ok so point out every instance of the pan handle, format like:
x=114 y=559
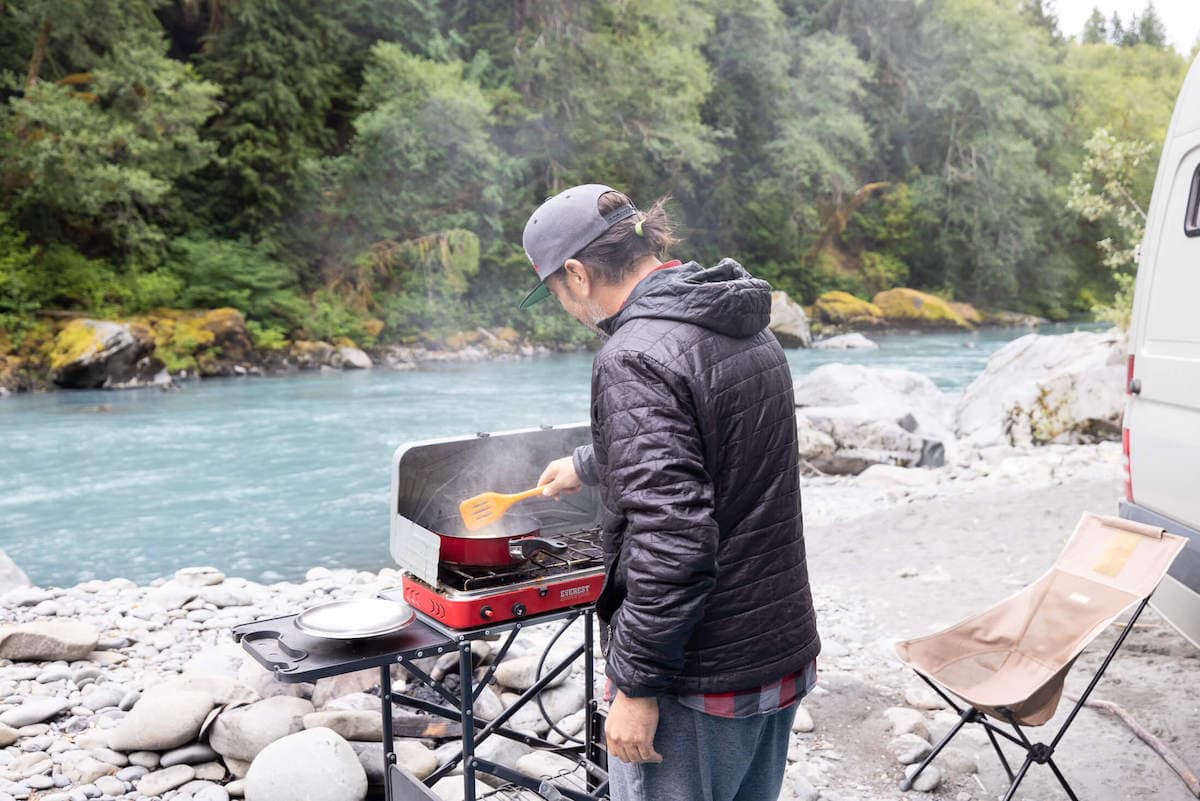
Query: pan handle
x=523 y=549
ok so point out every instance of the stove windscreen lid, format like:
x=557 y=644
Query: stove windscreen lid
x=430 y=478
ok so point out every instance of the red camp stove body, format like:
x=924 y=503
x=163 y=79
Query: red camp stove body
x=428 y=481
x=467 y=610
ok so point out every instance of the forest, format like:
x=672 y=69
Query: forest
x=362 y=169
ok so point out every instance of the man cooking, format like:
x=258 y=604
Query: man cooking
x=713 y=637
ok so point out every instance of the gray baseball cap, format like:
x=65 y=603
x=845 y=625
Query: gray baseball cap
x=561 y=227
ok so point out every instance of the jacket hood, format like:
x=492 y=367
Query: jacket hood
x=724 y=298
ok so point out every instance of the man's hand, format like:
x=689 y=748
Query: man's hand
x=559 y=477
x=629 y=730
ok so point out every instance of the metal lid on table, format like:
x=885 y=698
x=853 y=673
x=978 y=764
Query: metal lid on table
x=355 y=618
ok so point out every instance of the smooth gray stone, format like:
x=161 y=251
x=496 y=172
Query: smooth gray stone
x=316 y=765
x=103 y=697
x=34 y=710
x=39 y=782
x=131 y=773
x=53 y=674
x=144 y=759
x=188 y=755
x=160 y=781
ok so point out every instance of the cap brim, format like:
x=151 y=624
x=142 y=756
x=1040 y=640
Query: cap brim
x=536 y=295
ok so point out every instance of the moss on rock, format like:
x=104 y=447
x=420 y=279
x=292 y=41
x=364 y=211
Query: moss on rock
x=967 y=312
x=208 y=341
x=910 y=308
x=847 y=311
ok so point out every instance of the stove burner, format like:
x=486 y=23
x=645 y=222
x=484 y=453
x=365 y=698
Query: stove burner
x=583 y=551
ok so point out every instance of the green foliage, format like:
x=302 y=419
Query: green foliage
x=96 y=168
x=237 y=273
x=324 y=167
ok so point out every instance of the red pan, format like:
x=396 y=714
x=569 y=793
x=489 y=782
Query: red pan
x=511 y=540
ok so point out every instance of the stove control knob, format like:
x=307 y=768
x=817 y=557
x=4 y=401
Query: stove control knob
x=518 y=610
x=486 y=613
x=543 y=592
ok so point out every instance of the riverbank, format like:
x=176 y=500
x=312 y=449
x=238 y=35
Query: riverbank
x=892 y=555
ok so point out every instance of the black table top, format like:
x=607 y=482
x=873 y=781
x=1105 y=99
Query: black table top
x=294 y=656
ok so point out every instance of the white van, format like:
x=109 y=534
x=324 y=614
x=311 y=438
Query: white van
x=1162 y=414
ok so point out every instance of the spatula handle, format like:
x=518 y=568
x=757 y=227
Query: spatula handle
x=529 y=493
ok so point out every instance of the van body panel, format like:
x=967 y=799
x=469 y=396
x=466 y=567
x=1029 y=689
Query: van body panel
x=1163 y=418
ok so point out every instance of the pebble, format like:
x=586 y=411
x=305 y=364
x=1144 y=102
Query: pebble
x=39 y=782
x=131 y=773
x=160 y=781
x=54 y=674
x=110 y=785
x=315 y=764
x=922 y=697
x=144 y=759
x=188 y=755
x=929 y=779
x=803 y=722
x=236 y=788
x=909 y=748
x=8 y=735
x=110 y=756
x=35 y=710
x=906 y=721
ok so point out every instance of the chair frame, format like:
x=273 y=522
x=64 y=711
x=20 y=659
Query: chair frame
x=1039 y=753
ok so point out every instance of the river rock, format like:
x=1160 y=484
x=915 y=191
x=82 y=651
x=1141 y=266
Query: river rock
x=352 y=359
x=110 y=785
x=162 y=719
x=353 y=725
x=104 y=696
x=859 y=442
x=1041 y=388
x=222 y=689
x=82 y=768
x=845 y=311
x=11 y=576
x=879 y=393
x=909 y=748
x=199 y=576
x=316 y=765
x=34 y=710
x=908 y=308
x=328 y=689
x=906 y=721
x=922 y=697
x=8 y=735
x=49 y=640
x=410 y=755
x=547 y=765
x=188 y=755
x=242 y=732
x=803 y=722
x=852 y=341
x=929 y=779
x=789 y=323
x=88 y=354
x=160 y=781
x=520 y=673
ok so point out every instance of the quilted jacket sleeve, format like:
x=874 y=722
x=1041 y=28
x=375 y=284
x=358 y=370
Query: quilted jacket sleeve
x=657 y=479
x=584 y=460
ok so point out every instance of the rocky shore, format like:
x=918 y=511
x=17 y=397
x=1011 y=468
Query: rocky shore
x=113 y=690
x=920 y=508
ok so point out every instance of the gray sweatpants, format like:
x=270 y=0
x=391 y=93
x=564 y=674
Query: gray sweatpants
x=708 y=758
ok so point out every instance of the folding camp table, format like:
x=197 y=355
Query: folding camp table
x=1009 y=662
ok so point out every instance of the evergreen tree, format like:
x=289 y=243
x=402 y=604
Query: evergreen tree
x=1150 y=27
x=1095 y=30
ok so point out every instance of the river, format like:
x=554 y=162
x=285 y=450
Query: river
x=267 y=477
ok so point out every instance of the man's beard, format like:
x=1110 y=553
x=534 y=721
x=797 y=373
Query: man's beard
x=593 y=315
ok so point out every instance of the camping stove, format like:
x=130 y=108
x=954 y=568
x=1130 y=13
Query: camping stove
x=430 y=478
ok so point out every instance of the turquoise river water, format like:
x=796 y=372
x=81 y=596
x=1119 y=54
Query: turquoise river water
x=267 y=477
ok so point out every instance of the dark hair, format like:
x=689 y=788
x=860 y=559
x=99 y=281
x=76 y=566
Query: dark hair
x=611 y=255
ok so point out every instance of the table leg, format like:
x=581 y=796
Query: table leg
x=389 y=739
x=468 y=719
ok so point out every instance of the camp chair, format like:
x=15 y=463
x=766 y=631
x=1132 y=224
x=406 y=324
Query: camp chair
x=1009 y=662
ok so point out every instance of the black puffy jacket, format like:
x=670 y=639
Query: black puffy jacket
x=694 y=448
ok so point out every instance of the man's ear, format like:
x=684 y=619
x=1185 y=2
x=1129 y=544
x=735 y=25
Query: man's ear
x=577 y=278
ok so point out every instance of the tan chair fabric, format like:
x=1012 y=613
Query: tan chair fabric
x=1016 y=654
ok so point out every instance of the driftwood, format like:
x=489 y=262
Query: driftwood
x=406 y=725
x=1173 y=760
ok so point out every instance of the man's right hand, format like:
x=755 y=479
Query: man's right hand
x=559 y=477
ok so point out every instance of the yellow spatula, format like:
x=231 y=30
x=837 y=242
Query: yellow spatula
x=488 y=507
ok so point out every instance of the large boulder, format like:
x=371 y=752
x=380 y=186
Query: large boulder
x=11 y=575
x=48 y=640
x=851 y=417
x=851 y=341
x=1037 y=389
x=1012 y=319
x=242 y=732
x=88 y=354
x=789 y=323
x=315 y=765
x=843 y=310
x=908 y=308
x=165 y=717
x=878 y=393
